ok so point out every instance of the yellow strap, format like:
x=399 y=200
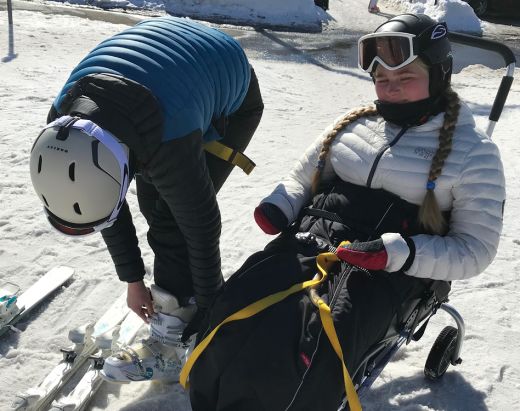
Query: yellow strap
x=226 y=153
x=324 y=262
x=328 y=325
x=246 y=312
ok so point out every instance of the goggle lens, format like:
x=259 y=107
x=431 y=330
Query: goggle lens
x=65 y=228
x=393 y=51
x=69 y=230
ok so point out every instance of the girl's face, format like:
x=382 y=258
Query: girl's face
x=406 y=85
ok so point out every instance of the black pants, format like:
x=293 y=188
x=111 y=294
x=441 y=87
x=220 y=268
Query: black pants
x=171 y=270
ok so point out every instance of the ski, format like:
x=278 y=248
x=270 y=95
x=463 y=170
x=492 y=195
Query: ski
x=84 y=345
x=15 y=306
x=86 y=388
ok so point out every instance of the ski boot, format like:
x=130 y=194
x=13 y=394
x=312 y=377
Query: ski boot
x=162 y=355
x=8 y=303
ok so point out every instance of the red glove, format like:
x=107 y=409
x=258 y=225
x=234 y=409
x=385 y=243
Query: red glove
x=370 y=255
x=270 y=218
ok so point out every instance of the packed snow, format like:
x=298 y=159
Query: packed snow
x=302 y=93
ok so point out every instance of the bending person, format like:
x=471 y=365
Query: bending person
x=149 y=103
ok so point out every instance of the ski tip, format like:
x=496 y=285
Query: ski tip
x=61 y=274
x=63 y=270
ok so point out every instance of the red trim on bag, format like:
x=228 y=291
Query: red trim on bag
x=368 y=260
x=306 y=360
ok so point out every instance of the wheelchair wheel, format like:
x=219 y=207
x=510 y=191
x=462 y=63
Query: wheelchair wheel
x=440 y=355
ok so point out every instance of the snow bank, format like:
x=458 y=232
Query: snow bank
x=458 y=15
x=294 y=15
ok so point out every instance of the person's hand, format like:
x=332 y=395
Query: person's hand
x=270 y=218
x=370 y=255
x=373 y=255
x=139 y=300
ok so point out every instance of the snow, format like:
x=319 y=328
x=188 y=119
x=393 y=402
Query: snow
x=303 y=92
x=457 y=14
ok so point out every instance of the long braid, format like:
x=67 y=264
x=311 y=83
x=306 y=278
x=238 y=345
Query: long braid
x=430 y=216
x=329 y=138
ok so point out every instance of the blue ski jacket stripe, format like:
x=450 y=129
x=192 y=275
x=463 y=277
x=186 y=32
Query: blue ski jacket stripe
x=197 y=73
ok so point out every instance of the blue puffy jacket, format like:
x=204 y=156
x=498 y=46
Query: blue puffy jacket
x=197 y=73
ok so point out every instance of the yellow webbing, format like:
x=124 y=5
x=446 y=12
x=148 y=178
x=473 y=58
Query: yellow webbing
x=231 y=156
x=245 y=312
x=328 y=325
x=323 y=260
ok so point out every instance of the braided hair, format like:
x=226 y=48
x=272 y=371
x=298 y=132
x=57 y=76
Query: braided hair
x=329 y=139
x=430 y=216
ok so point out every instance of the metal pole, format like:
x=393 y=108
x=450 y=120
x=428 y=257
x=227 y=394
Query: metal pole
x=509 y=59
x=10 y=12
x=11 y=54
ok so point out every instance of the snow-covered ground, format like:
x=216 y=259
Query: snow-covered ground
x=302 y=95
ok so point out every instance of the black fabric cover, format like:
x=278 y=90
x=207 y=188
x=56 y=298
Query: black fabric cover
x=281 y=358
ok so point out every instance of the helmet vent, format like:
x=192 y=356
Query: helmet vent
x=45 y=200
x=77 y=209
x=39 y=164
x=57 y=148
x=72 y=168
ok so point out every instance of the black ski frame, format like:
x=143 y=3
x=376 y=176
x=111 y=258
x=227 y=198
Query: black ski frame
x=510 y=61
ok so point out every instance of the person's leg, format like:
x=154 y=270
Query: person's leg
x=237 y=131
x=363 y=311
x=170 y=272
x=376 y=299
x=147 y=197
x=250 y=365
x=170 y=295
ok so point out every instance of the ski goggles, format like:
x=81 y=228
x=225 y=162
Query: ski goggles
x=111 y=143
x=394 y=50
x=391 y=50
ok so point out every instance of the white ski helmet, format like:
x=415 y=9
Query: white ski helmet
x=80 y=172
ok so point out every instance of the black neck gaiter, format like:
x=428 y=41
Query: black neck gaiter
x=411 y=114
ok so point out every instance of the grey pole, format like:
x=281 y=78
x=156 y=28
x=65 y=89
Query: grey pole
x=10 y=54
x=10 y=12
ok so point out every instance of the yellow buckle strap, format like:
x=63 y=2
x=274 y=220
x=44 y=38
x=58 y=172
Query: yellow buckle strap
x=242 y=314
x=324 y=262
x=230 y=155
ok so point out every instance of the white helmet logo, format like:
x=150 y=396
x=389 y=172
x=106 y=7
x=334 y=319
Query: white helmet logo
x=438 y=32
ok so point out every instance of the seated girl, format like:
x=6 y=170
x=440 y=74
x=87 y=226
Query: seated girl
x=414 y=186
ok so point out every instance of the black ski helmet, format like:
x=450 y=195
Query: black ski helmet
x=432 y=46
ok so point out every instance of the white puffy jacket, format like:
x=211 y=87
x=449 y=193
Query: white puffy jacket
x=370 y=153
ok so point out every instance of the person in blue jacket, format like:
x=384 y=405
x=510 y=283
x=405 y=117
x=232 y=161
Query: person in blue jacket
x=173 y=104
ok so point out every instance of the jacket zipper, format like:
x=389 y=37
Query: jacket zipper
x=380 y=154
